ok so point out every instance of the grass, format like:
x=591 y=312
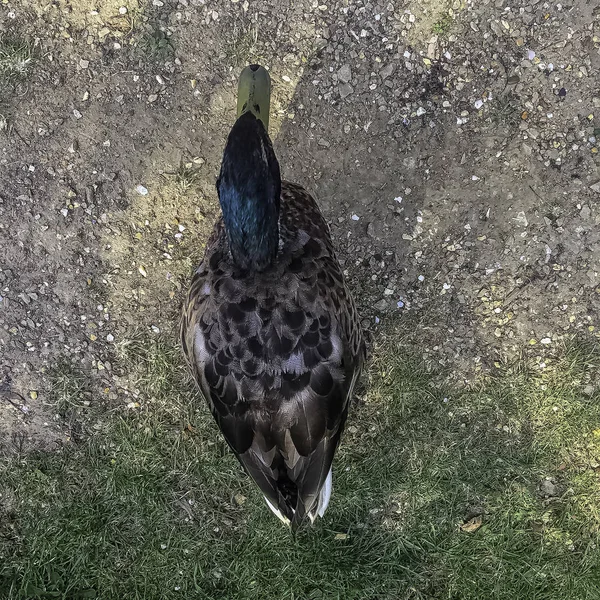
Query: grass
x=443 y=26
x=156 y=46
x=154 y=507
x=69 y=386
x=505 y=111
x=241 y=47
x=186 y=177
x=16 y=62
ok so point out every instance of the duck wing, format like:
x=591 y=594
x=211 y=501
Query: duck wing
x=277 y=355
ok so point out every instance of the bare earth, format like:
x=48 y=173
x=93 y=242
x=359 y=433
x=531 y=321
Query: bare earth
x=452 y=146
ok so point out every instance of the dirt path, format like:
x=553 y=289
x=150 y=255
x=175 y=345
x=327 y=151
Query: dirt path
x=452 y=146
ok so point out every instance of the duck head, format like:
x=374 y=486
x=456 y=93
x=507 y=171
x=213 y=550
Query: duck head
x=249 y=188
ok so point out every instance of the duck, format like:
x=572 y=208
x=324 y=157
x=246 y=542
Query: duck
x=269 y=328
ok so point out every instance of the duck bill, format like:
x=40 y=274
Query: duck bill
x=254 y=93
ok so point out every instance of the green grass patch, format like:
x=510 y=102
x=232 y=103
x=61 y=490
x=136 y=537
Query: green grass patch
x=439 y=494
x=241 y=47
x=70 y=387
x=185 y=177
x=16 y=60
x=156 y=45
x=443 y=26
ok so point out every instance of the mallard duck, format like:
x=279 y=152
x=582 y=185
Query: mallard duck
x=269 y=328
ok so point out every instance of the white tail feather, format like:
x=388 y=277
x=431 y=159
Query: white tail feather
x=324 y=497
x=283 y=519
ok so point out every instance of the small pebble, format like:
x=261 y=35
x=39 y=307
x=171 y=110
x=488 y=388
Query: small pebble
x=345 y=90
x=345 y=74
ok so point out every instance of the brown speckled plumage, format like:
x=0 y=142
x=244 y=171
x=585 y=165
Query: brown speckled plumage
x=277 y=353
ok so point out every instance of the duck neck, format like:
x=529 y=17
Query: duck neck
x=249 y=188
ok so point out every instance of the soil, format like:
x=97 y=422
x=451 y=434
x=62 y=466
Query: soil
x=451 y=145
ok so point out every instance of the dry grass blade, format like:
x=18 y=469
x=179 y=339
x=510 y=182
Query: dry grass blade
x=16 y=60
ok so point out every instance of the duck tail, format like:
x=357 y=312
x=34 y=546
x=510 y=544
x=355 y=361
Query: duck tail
x=283 y=518
x=324 y=497
x=317 y=510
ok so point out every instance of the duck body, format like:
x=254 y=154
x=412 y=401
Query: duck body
x=272 y=335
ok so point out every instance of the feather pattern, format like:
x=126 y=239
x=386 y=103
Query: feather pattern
x=276 y=354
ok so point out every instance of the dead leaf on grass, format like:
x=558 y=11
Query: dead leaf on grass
x=472 y=524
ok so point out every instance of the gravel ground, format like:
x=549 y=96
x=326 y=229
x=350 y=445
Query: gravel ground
x=452 y=146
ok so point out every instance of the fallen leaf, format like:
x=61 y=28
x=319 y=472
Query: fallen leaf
x=472 y=524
